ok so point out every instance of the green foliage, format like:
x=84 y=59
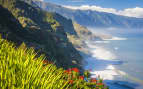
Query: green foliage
x=21 y=69
x=38 y=29
x=25 y=22
x=49 y=17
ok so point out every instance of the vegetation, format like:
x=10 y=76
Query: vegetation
x=23 y=68
x=26 y=22
x=49 y=17
x=20 y=68
x=83 y=35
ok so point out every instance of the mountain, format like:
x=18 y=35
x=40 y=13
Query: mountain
x=93 y=18
x=25 y=22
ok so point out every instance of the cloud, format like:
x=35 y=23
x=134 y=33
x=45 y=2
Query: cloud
x=131 y=12
x=75 y=0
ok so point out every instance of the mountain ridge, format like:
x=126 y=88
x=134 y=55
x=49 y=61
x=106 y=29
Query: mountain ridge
x=93 y=18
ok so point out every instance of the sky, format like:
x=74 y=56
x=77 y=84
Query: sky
x=132 y=8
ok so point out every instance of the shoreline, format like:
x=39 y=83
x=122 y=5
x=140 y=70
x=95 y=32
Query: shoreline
x=102 y=62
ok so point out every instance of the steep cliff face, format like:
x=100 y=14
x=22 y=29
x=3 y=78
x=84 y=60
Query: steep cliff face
x=23 y=22
x=10 y=28
x=66 y=23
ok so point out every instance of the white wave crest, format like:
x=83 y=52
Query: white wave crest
x=101 y=53
x=106 y=42
x=102 y=62
x=116 y=38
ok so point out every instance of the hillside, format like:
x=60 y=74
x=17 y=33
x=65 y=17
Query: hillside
x=23 y=22
x=20 y=68
x=93 y=18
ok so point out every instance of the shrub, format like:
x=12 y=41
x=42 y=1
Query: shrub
x=20 y=68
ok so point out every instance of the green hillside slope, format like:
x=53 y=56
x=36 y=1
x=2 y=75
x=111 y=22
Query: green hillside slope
x=22 y=22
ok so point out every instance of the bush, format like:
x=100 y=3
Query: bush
x=20 y=68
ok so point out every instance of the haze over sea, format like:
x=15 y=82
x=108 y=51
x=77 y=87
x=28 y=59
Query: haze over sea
x=118 y=60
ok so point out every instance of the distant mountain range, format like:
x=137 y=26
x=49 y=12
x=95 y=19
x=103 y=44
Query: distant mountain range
x=93 y=18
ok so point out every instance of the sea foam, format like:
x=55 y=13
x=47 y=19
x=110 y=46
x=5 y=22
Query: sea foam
x=116 y=38
x=102 y=62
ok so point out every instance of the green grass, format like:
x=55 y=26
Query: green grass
x=20 y=68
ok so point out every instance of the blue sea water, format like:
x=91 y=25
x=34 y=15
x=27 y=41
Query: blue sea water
x=130 y=52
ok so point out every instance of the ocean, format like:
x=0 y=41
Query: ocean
x=118 y=60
